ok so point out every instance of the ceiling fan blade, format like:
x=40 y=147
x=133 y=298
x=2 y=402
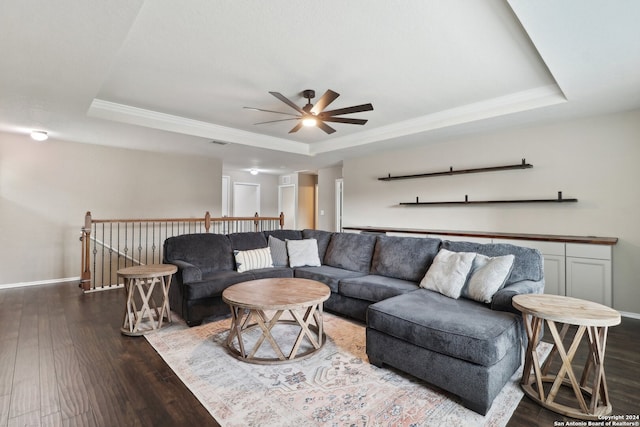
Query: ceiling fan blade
x=270 y=111
x=349 y=110
x=325 y=127
x=296 y=128
x=286 y=100
x=326 y=99
x=345 y=120
x=274 y=121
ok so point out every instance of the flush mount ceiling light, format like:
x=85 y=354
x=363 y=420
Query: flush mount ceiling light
x=39 y=135
x=253 y=171
x=314 y=115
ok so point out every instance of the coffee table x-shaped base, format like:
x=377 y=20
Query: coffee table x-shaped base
x=245 y=319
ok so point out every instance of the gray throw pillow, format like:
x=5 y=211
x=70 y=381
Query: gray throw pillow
x=488 y=275
x=278 y=252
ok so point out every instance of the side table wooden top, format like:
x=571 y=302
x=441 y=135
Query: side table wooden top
x=150 y=270
x=276 y=293
x=564 y=309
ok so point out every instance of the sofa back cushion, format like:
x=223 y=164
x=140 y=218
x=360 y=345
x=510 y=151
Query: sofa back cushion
x=322 y=237
x=247 y=241
x=284 y=234
x=406 y=258
x=350 y=251
x=527 y=265
x=209 y=252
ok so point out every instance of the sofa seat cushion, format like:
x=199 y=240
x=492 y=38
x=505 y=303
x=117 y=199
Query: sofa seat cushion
x=213 y=283
x=461 y=328
x=328 y=275
x=374 y=288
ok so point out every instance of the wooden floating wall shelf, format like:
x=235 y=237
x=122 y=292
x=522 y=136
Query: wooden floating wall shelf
x=523 y=165
x=479 y=202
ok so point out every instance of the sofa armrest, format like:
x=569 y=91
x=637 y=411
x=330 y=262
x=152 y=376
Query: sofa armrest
x=187 y=272
x=502 y=299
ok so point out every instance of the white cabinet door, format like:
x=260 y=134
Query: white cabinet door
x=589 y=273
x=589 y=279
x=554 y=274
x=554 y=262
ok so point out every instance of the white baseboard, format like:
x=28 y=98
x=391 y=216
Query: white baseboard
x=631 y=315
x=39 y=282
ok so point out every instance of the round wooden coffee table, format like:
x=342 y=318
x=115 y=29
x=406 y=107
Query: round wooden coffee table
x=143 y=313
x=262 y=303
x=585 y=316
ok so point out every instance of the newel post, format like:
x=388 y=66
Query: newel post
x=207 y=221
x=256 y=222
x=281 y=220
x=85 y=276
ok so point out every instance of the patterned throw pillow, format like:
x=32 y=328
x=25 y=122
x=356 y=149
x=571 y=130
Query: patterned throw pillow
x=253 y=259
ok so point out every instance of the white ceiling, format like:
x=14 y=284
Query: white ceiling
x=173 y=76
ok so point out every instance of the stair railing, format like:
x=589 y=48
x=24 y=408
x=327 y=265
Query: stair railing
x=111 y=244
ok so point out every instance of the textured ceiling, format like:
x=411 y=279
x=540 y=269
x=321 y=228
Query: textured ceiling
x=172 y=76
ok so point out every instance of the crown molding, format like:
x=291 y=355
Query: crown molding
x=509 y=104
x=513 y=103
x=152 y=119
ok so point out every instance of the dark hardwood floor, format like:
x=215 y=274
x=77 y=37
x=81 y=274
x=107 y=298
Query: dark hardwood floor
x=64 y=362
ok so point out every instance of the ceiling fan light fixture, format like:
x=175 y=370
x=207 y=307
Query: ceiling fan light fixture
x=309 y=121
x=315 y=115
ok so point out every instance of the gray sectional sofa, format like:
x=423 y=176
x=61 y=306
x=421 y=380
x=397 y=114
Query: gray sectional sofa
x=468 y=348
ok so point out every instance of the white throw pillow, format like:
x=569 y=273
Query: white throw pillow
x=253 y=259
x=303 y=253
x=487 y=276
x=448 y=272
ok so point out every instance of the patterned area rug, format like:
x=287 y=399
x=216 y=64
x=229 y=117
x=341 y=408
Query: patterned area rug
x=334 y=387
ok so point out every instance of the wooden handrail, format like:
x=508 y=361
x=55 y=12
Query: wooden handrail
x=86 y=280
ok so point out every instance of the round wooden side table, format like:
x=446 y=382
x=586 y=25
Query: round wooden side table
x=585 y=316
x=143 y=313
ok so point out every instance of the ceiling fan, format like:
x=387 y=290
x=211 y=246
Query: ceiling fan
x=314 y=115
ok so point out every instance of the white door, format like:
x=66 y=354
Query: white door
x=287 y=205
x=246 y=199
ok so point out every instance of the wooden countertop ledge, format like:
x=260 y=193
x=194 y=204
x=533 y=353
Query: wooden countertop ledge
x=591 y=240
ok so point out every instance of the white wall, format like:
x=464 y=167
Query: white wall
x=595 y=160
x=46 y=189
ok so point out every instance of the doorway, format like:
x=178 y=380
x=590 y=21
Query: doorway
x=246 y=199
x=287 y=205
